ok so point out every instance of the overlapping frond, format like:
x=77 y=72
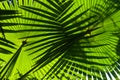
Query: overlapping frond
x=70 y=37
x=67 y=39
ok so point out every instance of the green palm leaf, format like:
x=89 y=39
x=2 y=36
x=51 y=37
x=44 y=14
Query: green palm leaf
x=64 y=40
x=69 y=31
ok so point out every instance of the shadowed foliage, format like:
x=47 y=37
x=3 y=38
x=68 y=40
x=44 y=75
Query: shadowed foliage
x=59 y=39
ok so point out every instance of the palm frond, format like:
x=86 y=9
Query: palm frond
x=6 y=14
x=73 y=39
x=69 y=39
x=7 y=69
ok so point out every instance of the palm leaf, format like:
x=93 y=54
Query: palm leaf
x=6 y=71
x=69 y=39
x=6 y=14
x=71 y=29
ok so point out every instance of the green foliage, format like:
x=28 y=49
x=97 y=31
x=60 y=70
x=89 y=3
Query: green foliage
x=59 y=39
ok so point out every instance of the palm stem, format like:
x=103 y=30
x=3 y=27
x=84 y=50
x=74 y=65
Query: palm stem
x=13 y=59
